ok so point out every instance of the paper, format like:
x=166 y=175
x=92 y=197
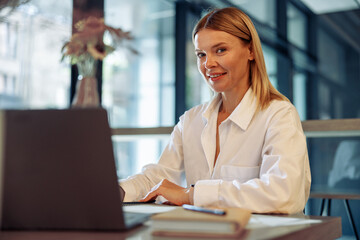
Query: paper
x=148 y=208
x=260 y=221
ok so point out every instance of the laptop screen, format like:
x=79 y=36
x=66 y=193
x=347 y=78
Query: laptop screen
x=58 y=170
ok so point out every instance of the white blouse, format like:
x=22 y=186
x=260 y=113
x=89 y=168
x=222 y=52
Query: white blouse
x=263 y=163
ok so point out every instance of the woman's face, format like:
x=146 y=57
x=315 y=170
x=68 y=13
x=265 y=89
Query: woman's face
x=223 y=60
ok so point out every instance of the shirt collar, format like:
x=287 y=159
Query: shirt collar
x=245 y=111
x=213 y=105
x=241 y=115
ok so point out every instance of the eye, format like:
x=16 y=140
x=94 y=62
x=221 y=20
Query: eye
x=200 y=54
x=220 y=50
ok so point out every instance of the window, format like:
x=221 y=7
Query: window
x=8 y=39
x=299 y=92
x=271 y=64
x=197 y=90
x=261 y=10
x=336 y=166
x=331 y=58
x=31 y=39
x=139 y=90
x=296 y=26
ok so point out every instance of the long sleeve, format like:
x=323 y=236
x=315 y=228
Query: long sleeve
x=170 y=166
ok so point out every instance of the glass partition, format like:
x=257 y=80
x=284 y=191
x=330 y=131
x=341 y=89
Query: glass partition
x=271 y=64
x=263 y=11
x=31 y=38
x=144 y=150
x=335 y=162
x=296 y=26
x=299 y=93
x=139 y=90
x=197 y=90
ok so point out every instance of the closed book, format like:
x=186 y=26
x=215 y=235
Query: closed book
x=184 y=223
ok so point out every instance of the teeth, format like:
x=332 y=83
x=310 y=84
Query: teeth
x=217 y=75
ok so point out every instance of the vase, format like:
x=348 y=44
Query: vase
x=86 y=94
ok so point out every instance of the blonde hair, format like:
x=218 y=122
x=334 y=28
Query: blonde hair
x=235 y=22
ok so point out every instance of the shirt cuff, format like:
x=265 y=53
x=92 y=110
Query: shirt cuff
x=130 y=194
x=206 y=193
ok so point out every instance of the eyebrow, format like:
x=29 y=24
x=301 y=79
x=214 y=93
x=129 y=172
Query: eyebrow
x=215 y=46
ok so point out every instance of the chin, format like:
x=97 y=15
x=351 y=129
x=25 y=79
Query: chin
x=217 y=89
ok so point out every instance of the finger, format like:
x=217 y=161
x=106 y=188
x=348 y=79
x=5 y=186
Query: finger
x=169 y=203
x=150 y=196
x=150 y=200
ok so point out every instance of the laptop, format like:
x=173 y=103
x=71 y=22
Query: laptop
x=57 y=172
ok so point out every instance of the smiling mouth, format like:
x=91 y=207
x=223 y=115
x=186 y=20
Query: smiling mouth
x=215 y=76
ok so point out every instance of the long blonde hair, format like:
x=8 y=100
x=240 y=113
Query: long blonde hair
x=235 y=22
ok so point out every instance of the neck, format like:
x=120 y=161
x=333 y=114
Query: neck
x=231 y=101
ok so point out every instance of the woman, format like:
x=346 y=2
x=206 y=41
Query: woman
x=245 y=148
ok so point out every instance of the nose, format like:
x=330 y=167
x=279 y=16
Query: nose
x=210 y=62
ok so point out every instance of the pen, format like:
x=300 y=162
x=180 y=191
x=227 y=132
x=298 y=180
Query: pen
x=204 y=210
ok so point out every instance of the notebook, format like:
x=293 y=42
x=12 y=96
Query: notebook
x=57 y=172
x=183 y=223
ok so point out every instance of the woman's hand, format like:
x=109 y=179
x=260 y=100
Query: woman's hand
x=173 y=193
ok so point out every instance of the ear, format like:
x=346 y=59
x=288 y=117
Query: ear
x=251 y=52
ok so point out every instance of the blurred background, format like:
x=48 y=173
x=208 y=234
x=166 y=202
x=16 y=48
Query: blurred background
x=311 y=48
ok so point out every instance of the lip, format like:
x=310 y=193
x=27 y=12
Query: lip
x=221 y=75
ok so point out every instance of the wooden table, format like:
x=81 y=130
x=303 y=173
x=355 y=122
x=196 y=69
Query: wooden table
x=328 y=228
